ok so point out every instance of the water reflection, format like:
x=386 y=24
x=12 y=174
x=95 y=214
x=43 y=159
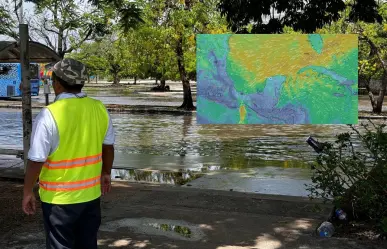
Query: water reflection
x=134 y=95
x=173 y=229
x=181 y=230
x=170 y=142
x=175 y=150
x=140 y=95
x=170 y=135
x=180 y=177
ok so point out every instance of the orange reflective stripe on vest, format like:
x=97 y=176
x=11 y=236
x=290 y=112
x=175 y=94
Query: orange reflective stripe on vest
x=70 y=186
x=78 y=162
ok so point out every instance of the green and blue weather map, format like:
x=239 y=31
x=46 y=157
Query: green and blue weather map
x=277 y=79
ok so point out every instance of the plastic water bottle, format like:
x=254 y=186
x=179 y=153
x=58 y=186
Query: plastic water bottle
x=326 y=229
x=314 y=144
x=340 y=214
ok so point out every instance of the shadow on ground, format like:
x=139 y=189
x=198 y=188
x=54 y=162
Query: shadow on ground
x=143 y=216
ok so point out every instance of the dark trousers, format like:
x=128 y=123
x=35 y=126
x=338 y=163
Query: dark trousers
x=73 y=226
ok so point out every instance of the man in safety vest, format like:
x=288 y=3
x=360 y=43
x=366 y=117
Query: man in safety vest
x=72 y=154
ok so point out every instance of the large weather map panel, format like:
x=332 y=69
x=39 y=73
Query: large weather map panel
x=277 y=79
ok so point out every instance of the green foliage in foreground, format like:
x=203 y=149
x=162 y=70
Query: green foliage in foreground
x=352 y=172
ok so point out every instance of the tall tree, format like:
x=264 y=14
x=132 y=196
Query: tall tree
x=108 y=57
x=150 y=54
x=180 y=22
x=90 y=54
x=351 y=16
x=372 y=46
x=373 y=63
x=271 y=16
x=65 y=25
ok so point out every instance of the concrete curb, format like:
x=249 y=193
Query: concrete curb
x=17 y=174
x=372 y=117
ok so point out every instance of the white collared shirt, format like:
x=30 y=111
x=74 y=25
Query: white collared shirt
x=45 y=135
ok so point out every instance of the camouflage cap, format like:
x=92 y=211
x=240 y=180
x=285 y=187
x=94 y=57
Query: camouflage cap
x=71 y=71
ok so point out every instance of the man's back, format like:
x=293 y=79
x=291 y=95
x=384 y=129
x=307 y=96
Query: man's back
x=72 y=154
x=72 y=171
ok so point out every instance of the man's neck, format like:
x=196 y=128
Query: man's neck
x=72 y=92
x=69 y=92
x=76 y=94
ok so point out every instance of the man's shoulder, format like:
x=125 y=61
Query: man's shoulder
x=45 y=112
x=67 y=102
x=44 y=117
x=97 y=102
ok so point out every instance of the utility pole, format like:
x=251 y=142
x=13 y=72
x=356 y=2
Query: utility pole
x=26 y=85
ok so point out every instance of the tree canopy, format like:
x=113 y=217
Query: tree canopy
x=65 y=25
x=7 y=21
x=271 y=16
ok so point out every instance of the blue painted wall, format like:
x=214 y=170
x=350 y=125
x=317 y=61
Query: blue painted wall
x=13 y=78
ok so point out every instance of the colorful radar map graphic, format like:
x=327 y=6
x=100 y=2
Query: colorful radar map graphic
x=277 y=79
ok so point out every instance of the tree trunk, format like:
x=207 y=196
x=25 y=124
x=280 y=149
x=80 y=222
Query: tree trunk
x=162 y=83
x=96 y=79
x=135 y=80
x=157 y=81
x=188 y=102
x=377 y=107
x=369 y=91
x=377 y=102
x=116 y=79
x=115 y=70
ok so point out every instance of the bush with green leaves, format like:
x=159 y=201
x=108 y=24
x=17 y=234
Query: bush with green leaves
x=351 y=172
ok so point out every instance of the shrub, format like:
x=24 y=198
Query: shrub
x=352 y=172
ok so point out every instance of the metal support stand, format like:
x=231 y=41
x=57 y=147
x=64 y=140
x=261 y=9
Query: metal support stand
x=47 y=91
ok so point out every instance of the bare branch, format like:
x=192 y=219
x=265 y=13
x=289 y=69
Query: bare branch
x=46 y=38
x=48 y=29
x=85 y=38
x=367 y=85
x=41 y=31
x=16 y=9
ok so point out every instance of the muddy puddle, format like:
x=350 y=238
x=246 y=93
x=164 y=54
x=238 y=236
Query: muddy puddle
x=174 y=229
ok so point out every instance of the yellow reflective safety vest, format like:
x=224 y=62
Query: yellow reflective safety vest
x=72 y=172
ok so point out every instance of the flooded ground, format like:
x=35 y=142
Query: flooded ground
x=140 y=95
x=135 y=95
x=174 y=149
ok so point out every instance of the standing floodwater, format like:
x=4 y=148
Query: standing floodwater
x=179 y=136
x=174 y=149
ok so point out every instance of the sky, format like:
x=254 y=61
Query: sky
x=28 y=8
